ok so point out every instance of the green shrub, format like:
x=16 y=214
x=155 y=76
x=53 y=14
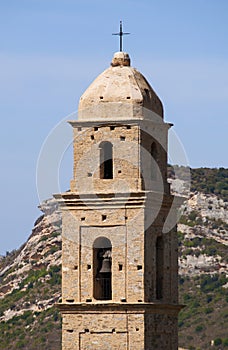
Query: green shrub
x=54 y=269
x=187 y=297
x=217 y=341
x=55 y=280
x=209 y=298
x=208 y=310
x=225 y=342
x=211 y=282
x=28 y=317
x=54 y=273
x=180 y=236
x=193 y=215
x=189 y=337
x=181 y=280
x=180 y=323
x=55 y=234
x=21 y=344
x=199 y=328
x=44 y=238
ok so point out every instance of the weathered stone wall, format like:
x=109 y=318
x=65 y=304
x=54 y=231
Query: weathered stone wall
x=161 y=332
x=120 y=330
x=129 y=210
x=103 y=331
x=133 y=247
x=131 y=153
x=127 y=250
x=126 y=171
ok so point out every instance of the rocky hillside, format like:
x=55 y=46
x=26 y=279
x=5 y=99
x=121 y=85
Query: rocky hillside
x=30 y=278
x=30 y=286
x=203 y=270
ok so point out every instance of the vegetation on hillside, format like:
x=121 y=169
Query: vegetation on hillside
x=203 y=323
x=32 y=329
x=204 y=320
x=205 y=180
x=208 y=180
x=201 y=245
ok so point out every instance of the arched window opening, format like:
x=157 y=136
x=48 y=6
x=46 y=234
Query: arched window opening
x=154 y=160
x=159 y=267
x=102 y=271
x=106 y=160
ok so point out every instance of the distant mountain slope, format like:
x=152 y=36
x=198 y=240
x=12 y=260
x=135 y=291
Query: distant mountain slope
x=30 y=277
x=203 y=272
x=205 y=180
x=30 y=286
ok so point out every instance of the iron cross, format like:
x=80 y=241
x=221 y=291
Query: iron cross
x=121 y=33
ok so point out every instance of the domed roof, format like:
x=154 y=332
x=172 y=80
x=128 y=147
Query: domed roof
x=120 y=92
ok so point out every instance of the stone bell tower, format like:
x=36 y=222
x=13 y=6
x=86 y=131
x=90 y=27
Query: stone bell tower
x=119 y=255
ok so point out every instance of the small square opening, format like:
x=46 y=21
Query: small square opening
x=122 y=138
x=104 y=217
x=139 y=267
x=120 y=267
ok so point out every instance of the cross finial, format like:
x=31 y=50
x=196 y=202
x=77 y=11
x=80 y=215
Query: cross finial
x=121 y=33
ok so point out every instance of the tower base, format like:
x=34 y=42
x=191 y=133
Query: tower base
x=145 y=326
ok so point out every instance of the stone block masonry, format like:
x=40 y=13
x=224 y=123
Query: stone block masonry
x=119 y=264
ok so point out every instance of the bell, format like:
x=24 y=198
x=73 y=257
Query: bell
x=106 y=266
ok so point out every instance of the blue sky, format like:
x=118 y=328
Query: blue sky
x=51 y=50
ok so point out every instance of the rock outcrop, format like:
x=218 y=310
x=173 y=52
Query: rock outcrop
x=30 y=278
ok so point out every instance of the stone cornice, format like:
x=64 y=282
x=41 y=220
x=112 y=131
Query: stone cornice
x=139 y=199
x=142 y=308
x=123 y=122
